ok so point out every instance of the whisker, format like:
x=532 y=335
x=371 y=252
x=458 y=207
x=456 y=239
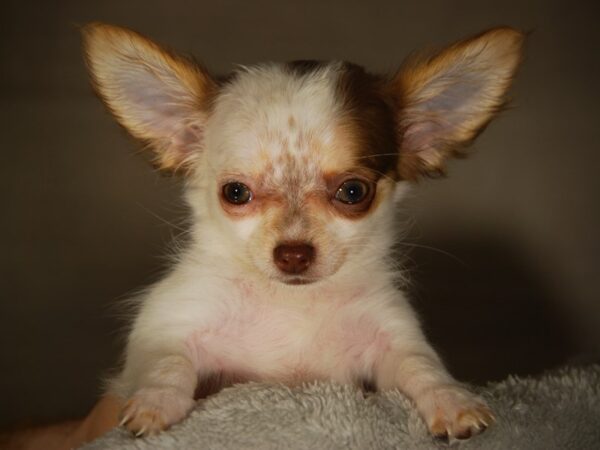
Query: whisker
x=384 y=175
x=434 y=249
x=376 y=154
x=162 y=219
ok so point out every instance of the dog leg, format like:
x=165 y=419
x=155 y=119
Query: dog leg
x=164 y=397
x=449 y=410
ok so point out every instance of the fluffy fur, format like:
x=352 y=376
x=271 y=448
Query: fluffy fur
x=293 y=135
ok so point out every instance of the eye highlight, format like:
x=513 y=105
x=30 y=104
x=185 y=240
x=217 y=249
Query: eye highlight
x=352 y=192
x=236 y=193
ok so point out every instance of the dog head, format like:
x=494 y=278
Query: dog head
x=293 y=169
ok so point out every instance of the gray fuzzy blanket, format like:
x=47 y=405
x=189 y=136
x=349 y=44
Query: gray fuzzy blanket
x=558 y=410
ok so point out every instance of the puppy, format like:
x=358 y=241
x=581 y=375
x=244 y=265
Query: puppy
x=293 y=173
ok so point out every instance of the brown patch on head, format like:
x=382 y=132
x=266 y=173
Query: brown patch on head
x=369 y=120
x=301 y=163
x=303 y=67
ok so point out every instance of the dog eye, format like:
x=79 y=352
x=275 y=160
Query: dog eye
x=237 y=193
x=352 y=191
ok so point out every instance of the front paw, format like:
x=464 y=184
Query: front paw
x=151 y=410
x=452 y=412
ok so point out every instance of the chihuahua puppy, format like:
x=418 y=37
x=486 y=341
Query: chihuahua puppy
x=293 y=173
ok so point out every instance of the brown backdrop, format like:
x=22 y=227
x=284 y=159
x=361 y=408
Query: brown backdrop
x=510 y=285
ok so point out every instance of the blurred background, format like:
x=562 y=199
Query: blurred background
x=504 y=252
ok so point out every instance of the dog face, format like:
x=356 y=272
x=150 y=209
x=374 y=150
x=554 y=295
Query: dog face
x=293 y=169
x=295 y=182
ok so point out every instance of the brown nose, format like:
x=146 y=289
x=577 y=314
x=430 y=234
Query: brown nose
x=293 y=258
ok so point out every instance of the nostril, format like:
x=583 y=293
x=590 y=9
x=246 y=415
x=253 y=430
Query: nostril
x=293 y=258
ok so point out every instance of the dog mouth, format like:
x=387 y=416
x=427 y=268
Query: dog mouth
x=297 y=281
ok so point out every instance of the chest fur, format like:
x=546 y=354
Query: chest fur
x=331 y=337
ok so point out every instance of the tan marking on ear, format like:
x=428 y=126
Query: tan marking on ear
x=444 y=101
x=180 y=90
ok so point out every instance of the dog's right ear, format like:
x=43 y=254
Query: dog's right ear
x=159 y=97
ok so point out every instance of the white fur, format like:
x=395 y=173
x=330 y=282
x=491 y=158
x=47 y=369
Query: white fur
x=225 y=307
x=220 y=310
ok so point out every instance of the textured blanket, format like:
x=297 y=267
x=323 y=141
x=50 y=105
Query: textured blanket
x=559 y=410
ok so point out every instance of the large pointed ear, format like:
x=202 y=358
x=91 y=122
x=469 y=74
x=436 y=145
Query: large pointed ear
x=444 y=101
x=158 y=97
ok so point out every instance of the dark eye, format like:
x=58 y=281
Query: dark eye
x=352 y=191
x=237 y=193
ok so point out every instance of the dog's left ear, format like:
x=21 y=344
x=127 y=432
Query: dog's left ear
x=159 y=97
x=444 y=101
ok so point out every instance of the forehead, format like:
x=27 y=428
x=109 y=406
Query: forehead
x=306 y=117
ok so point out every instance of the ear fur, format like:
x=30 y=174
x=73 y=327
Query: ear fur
x=160 y=98
x=445 y=100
